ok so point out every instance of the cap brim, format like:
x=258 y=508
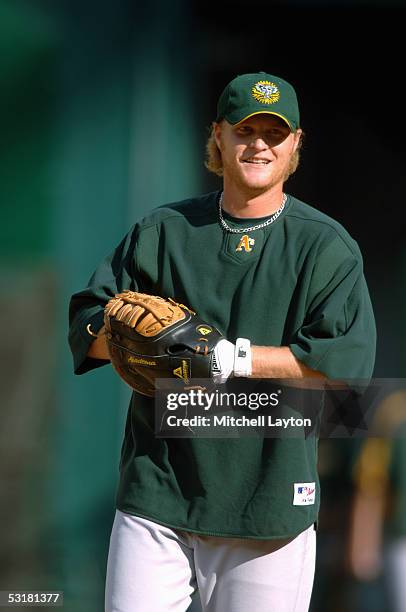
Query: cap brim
x=264 y=112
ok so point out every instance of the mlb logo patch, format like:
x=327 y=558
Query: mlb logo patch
x=304 y=493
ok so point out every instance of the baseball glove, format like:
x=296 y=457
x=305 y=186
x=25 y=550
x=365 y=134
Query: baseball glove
x=149 y=337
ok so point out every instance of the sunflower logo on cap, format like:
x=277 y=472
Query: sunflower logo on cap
x=265 y=92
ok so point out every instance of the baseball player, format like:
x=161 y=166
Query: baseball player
x=284 y=285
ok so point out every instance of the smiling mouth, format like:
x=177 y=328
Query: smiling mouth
x=257 y=162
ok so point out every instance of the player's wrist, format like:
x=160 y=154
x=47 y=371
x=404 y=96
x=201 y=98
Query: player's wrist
x=242 y=358
x=232 y=360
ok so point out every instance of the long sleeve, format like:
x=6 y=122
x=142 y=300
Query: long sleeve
x=338 y=336
x=113 y=275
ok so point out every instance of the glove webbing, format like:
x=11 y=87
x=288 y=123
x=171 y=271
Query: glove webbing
x=134 y=313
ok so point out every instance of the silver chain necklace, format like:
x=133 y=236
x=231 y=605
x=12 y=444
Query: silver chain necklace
x=233 y=230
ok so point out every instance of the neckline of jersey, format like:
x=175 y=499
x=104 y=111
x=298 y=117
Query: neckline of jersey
x=238 y=222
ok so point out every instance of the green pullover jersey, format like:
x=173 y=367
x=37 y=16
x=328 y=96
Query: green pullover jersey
x=298 y=282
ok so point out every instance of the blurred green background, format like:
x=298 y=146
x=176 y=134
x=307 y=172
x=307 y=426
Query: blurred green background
x=105 y=109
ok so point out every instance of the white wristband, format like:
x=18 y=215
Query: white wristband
x=242 y=357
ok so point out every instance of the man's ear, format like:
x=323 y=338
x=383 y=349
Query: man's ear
x=217 y=133
x=297 y=135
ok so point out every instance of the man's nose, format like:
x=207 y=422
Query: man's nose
x=259 y=142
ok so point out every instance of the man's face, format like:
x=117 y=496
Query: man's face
x=256 y=153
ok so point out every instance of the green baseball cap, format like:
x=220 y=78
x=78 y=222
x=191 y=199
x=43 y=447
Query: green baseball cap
x=256 y=93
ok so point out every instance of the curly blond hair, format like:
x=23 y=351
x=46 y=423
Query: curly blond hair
x=214 y=162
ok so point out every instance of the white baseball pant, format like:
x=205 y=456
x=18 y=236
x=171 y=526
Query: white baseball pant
x=152 y=568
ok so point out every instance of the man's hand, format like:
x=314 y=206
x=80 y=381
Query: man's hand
x=98 y=348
